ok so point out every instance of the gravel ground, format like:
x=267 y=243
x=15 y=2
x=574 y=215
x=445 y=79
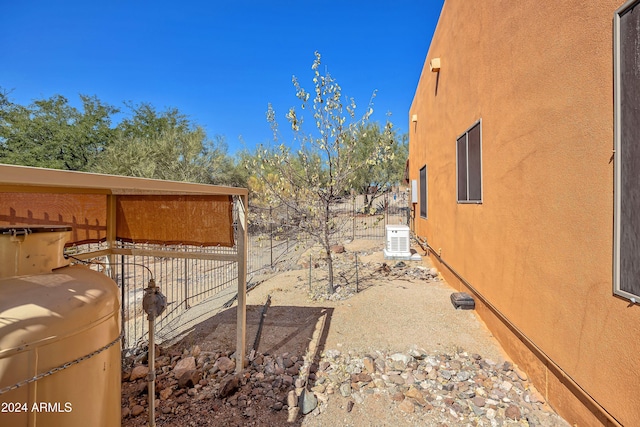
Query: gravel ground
x=393 y=314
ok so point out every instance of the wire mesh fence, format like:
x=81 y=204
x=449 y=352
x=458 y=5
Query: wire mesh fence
x=196 y=285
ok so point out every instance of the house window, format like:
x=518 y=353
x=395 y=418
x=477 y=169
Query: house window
x=423 y=192
x=469 y=165
x=627 y=150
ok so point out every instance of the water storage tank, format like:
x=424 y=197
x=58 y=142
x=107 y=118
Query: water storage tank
x=59 y=324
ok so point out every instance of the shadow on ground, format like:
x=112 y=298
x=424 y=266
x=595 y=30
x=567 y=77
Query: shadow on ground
x=286 y=331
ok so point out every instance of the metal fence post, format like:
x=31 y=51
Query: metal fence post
x=271 y=234
x=309 y=272
x=357 y=279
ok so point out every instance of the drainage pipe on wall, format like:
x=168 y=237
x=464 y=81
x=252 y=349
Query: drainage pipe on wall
x=521 y=335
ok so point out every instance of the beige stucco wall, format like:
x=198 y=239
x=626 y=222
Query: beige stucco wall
x=539 y=248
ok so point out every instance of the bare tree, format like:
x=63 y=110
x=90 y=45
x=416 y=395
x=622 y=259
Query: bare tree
x=312 y=178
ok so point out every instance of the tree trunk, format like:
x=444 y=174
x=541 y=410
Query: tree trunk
x=327 y=246
x=330 y=288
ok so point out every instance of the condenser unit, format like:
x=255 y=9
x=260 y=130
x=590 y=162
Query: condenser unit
x=397 y=242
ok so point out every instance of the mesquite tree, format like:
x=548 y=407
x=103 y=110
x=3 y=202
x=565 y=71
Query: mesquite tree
x=312 y=178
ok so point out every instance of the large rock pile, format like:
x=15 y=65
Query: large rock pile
x=193 y=376
x=459 y=388
x=455 y=389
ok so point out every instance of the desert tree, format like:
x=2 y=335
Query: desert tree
x=375 y=179
x=312 y=172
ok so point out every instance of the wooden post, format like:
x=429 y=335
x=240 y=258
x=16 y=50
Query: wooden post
x=111 y=235
x=241 y=329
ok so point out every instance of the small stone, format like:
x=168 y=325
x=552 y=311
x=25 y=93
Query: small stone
x=407 y=406
x=491 y=413
x=137 y=410
x=521 y=374
x=292 y=399
x=229 y=386
x=181 y=399
x=369 y=366
x=195 y=352
x=463 y=375
x=126 y=412
x=165 y=393
x=293 y=414
x=225 y=364
x=506 y=386
x=350 y=405
x=445 y=374
x=189 y=379
x=416 y=395
x=398 y=397
x=345 y=390
x=513 y=412
x=308 y=402
x=138 y=372
x=250 y=412
x=184 y=365
x=277 y=406
x=478 y=401
x=338 y=249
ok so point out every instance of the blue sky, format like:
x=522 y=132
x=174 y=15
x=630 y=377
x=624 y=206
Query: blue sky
x=219 y=62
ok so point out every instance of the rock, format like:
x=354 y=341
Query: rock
x=165 y=393
x=126 y=412
x=433 y=271
x=521 y=374
x=184 y=365
x=350 y=405
x=513 y=412
x=137 y=410
x=338 y=249
x=407 y=406
x=478 y=401
x=181 y=399
x=416 y=395
x=463 y=375
x=491 y=413
x=307 y=402
x=228 y=386
x=369 y=366
x=189 y=379
x=293 y=414
x=225 y=364
x=292 y=399
x=345 y=390
x=195 y=352
x=138 y=372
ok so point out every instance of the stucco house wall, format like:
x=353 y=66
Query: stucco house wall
x=537 y=251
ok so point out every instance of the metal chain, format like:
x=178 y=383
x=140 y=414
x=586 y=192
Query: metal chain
x=61 y=367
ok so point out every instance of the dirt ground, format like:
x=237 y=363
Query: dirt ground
x=390 y=314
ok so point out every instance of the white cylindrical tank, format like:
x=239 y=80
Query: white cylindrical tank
x=65 y=316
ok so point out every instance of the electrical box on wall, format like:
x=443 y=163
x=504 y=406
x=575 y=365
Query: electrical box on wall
x=414 y=191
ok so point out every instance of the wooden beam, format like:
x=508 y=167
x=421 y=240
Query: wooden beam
x=241 y=328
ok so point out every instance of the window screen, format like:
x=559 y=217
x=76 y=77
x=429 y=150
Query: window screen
x=423 y=192
x=627 y=129
x=469 y=165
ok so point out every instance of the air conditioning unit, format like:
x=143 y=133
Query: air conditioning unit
x=397 y=245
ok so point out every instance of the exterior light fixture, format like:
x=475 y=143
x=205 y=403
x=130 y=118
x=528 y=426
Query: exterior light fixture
x=434 y=64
